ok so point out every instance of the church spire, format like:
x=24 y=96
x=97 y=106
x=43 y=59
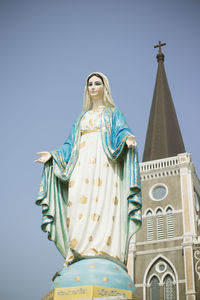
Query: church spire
x=163 y=138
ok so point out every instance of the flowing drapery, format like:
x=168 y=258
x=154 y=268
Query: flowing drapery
x=53 y=192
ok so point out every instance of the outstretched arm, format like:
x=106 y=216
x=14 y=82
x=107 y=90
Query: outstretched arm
x=44 y=157
x=65 y=150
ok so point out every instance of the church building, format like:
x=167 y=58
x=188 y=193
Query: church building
x=164 y=256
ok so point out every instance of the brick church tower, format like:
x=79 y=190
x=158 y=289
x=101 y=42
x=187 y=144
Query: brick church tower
x=166 y=251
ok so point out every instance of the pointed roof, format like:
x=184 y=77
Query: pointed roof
x=163 y=138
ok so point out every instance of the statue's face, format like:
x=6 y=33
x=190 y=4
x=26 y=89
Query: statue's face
x=95 y=88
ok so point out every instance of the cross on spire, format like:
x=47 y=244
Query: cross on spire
x=159 y=46
x=163 y=138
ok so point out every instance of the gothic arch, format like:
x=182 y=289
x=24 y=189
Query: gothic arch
x=147 y=210
x=165 y=274
x=169 y=206
x=175 y=277
x=153 y=275
x=157 y=209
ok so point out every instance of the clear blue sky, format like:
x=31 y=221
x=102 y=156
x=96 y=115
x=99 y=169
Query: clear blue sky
x=48 y=47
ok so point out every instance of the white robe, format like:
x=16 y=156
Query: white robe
x=94 y=221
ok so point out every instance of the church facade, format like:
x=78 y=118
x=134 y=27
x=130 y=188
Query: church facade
x=165 y=253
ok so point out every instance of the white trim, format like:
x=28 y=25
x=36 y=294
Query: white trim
x=182 y=198
x=153 y=275
x=168 y=273
x=159 y=250
x=157 y=175
x=157 y=267
x=182 y=281
x=160 y=241
x=141 y=285
x=159 y=164
x=186 y=171
x=138 y=285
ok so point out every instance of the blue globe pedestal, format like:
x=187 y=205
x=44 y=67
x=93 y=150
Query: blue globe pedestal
x=90 y=279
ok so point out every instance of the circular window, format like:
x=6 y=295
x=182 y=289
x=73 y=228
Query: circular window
x=158 y=192
x=161 y=267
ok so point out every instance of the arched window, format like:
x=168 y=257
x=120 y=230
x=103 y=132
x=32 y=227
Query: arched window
x=159 y=221
x=170 y=223
x=149 y=225
x=154 y=289
x=169 y=292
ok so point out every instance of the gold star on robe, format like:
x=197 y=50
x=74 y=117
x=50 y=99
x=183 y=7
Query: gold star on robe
x=93 y=160
x=73 y=243
x=86 y=180
x=83 y=199
x=69 y=203
x=95 y=217
x=115 y=200
x=90 y=238
x=71 y=183
x=91 y=123
x=108 y=240
x=98 y=181
x=82 y=145
x=80 y=216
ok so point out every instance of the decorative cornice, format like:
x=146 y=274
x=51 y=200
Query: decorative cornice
x=154 y=251
x=159 y=241
x=165 y=167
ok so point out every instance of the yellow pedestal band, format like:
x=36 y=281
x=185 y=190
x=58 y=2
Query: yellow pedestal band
x=87 y=292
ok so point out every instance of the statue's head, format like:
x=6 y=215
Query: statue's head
x=95 y=75
x=95 y=87
x=103 y=90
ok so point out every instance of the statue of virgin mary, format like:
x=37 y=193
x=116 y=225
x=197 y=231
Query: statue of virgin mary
x=90 y=189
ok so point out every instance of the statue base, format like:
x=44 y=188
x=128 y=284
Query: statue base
x=92 y=278
x=89 y=293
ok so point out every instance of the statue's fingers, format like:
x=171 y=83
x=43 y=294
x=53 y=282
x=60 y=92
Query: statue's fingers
x=40 y=153
x=37 y=160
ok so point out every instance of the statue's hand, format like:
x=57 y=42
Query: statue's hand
x=130 y=142
x=44 y=157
